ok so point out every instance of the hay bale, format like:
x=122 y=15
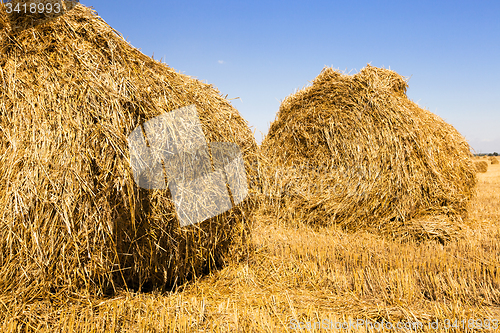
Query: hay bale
x=73 y=218
x=355 y=151
x=481 y=166
x=494 y=160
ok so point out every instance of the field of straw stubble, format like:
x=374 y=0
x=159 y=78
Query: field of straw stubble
x=297 y=274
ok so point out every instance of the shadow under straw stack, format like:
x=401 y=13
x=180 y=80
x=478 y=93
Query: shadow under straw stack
x=74 y=216
x=354 y=151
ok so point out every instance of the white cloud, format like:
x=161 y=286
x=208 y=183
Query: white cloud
x=220 y=62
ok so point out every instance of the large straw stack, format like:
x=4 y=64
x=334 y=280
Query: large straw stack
x=494 y=160
x=355 y=151
x=72 y=218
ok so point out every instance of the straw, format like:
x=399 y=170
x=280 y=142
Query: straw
x=354 y=151
x=73 y=220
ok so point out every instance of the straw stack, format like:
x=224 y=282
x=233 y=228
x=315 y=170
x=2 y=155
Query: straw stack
x=73 y=219
x=481 y=166
x=356 y=152
x=494 y=160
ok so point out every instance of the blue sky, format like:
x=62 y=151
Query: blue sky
x=262 y=51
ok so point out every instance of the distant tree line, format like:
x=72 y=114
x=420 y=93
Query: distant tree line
x=490 y=154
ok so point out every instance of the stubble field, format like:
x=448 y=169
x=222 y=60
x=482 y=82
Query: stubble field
x=299 y=278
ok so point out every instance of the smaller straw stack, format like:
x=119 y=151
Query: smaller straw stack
x=354 y=151
x=481 y=166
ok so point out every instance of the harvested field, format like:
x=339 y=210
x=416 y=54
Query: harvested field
x=297 y=273
x=78 y=234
